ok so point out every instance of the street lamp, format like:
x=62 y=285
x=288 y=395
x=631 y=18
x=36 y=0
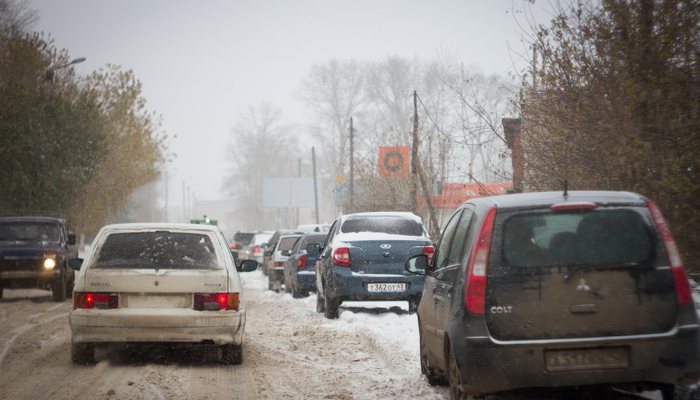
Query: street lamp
x=50 y=70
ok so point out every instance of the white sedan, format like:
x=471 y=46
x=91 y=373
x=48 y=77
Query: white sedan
x=158 y=283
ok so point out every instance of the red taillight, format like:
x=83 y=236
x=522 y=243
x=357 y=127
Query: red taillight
x=91 y=300
x=341 y=257
x=216 y=301
x=475 y=287
x=232 y=246
x=683 y=293
x=429 y=251
x=301 y=261
x=257 y=251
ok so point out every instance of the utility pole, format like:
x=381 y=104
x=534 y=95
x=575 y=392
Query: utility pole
x=313 y=162
x=414 y=156
x=417 y=172
x=299 y=177
x=352 y=168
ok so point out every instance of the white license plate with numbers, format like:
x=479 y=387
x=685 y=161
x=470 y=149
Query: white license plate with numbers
x=386 y=287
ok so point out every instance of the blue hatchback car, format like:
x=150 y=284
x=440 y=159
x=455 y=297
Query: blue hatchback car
x=299 y=274
x=363 y=259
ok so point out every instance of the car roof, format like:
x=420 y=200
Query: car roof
x=30 y=218
x=160 y=225
x=534 y=199
x=397 y=214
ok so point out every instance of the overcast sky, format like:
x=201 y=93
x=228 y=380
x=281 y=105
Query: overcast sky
x=202 y=63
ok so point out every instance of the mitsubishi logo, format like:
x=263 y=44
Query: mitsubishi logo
x=582 y=286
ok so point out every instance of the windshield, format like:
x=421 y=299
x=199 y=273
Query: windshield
x=576 y=239
x=29 y=232
x=287 y=243
x=159 y=250
x=390 y=225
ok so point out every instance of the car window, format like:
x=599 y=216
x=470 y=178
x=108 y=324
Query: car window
x=576 y=239
x=443 y=249
x=160 y=250
x=458 y=245
x=287 y=243
x=35 y=231
x=390 y=225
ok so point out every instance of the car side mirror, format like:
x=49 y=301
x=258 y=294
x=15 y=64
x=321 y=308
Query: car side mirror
x=417 y=264
x=75 y=263
x=313 y=249
x=71 y=239
x=247 y=266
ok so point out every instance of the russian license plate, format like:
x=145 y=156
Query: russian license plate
x=386 y=287
x=587 y=359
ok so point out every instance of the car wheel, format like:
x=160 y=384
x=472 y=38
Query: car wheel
x=413 y=305
x=330 y=306
x=454 y=380
x=680 y=392
x=58 y=290
x=232 y=354
x=82 y=353
x=434 y=377
x=320 y=303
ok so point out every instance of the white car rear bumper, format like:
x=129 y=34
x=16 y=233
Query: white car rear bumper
x=153 y=325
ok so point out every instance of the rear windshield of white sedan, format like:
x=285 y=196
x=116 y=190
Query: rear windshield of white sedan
x=157 y=250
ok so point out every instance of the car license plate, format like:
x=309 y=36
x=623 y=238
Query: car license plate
x=386 y=287
x=587 y=359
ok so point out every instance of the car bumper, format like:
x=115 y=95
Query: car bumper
x=15 y=278
x=144 y=325
x=305 y=280
x=348 y=285
x=670 y=358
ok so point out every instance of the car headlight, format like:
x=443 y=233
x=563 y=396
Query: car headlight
x=49 y=263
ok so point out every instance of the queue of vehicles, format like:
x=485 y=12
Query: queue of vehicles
x=573 y=289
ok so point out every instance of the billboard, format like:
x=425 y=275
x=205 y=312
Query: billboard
x=288 y=192
x=393 y=161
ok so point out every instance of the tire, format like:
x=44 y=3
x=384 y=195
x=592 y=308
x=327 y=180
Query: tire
x=82 y=353
x=330 y=306
x=413 y=305
x=232 y=354
x=454 y=379
x=58 y=290
x=320 y=304
x=680 y=392
x=298 y=294
x=434 y=377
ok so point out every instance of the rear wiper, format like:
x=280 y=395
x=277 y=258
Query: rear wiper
x=601 y=266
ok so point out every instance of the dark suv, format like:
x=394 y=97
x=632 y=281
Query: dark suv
x=34 y=252
x=556 y=290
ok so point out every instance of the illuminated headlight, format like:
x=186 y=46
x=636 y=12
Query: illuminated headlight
x=49 y=263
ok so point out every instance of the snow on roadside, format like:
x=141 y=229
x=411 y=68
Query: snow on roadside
x=384 y=329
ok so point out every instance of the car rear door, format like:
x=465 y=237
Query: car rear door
x=579 y=273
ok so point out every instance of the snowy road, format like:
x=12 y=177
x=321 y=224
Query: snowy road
x=291 y=352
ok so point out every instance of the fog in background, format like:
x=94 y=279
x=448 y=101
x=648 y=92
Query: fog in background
x=203 y=64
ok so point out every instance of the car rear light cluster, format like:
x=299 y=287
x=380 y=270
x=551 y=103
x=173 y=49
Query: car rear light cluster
x=680 y=279
x=341 y=257
x=279 y=264
x=232 y=246
x=257 y=251
x=301 y=261
x=216 y=301
x=475 y=287
x=98 y=300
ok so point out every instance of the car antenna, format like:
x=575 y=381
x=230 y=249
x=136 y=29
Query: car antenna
x=566 y=188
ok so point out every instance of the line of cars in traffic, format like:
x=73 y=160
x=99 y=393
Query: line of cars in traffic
x=535 y=290
x=543 y=290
